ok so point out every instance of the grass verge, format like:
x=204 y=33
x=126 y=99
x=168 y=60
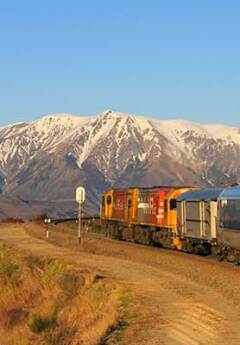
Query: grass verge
x=45 y=301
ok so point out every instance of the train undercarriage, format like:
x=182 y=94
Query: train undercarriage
x=229 y=254
x=165 y=238
x=156 y=236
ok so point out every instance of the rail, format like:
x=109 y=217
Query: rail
x=62 y=220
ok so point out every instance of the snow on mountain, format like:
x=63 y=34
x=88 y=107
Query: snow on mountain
x=49 y=157
x=105 y=138
x=223 y=132
x=23 y=141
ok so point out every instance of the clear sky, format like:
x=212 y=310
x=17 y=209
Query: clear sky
x=166 y=59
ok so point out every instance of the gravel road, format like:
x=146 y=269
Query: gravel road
x=179 y=299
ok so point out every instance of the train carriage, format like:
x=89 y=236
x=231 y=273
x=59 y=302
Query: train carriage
x=197 y=220
x=228 y=234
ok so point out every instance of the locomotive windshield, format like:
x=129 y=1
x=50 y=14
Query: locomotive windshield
x=230 y=214
x=109 y=199
x=173 y=204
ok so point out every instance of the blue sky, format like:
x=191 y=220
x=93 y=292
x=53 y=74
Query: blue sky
x=167 y=59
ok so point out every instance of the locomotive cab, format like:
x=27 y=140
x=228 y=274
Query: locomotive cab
x=107 y=205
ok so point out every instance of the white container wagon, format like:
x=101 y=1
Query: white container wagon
x=197 y=220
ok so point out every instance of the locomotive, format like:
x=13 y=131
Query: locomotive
x=190 y=219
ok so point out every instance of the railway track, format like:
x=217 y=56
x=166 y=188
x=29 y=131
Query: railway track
x=89 y=221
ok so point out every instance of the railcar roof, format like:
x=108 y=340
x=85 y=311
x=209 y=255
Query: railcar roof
x=202 y=194
x=230 y=193
x=152 y=187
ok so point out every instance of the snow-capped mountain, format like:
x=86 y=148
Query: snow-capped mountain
x=42 y=162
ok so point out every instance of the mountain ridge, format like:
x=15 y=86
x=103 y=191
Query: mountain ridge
x=48 y=158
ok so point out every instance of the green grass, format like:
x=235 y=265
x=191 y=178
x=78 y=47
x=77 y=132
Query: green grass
x=126 y=300
x=9 y=270
x=53 y=270
x=41 y=323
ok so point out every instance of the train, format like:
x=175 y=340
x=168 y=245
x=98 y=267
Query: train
x=186 y=218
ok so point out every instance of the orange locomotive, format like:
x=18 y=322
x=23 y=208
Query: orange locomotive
x=143 y=215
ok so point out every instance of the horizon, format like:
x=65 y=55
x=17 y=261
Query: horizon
x=167 y=60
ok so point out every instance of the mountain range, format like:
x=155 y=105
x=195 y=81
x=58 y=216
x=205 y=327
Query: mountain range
x=42 y=162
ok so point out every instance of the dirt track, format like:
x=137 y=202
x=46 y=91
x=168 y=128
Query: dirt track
x=179 y=299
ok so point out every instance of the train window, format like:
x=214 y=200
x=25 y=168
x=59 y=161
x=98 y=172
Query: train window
x=230 y=214
x=173 y=204
x=129 y=202
x=103 y=201
x=109 y=199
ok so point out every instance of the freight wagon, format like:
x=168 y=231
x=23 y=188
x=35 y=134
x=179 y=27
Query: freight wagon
x=197 y=220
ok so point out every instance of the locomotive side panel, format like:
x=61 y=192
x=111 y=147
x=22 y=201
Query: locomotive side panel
x=119 y=204
x=143 y=206
x=150 y=207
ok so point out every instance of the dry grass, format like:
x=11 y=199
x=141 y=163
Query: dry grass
x=47 y=301
x=65 y=235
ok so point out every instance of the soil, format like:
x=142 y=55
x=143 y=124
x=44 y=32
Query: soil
x=176 y=299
